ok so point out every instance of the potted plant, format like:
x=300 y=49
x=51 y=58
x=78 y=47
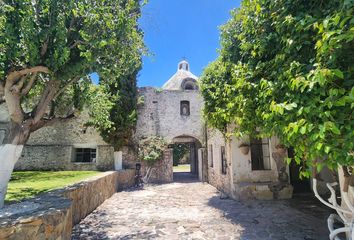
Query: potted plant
x=281 y=149
x=244 y=148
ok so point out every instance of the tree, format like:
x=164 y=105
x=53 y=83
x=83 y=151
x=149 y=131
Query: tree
x=119 y=99
x=47 y=50
x=290 y=73
x=179 y=151
x=151 y=151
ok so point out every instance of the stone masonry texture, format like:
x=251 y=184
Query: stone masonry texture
x=52 y=215
x=195 y=211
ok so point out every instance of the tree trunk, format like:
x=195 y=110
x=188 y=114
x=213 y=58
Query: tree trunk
x=10 y=151
x=10 y=154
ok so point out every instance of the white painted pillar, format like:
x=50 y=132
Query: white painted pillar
x=118 y=160
x=9 y=155
x=200 y=164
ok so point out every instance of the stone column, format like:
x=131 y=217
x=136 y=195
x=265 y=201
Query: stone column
x=281 y=189
x=118 y=160
x=200 y=164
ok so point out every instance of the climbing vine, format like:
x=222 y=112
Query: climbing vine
x=151 y=149
x=286 y=68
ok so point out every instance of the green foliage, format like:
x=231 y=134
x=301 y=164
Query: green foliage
x=179 y=151
x=151 y=149
x=286 y=68
x=114 y=110
x=73 y=39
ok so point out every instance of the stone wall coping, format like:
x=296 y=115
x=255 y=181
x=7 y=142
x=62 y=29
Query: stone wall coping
x=48 y=202
x=52 y=215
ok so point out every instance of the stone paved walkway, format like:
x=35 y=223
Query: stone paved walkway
x=195 y=211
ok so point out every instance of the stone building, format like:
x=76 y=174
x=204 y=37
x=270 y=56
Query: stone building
x=64 y=146
x=174 y=113
x=241 y=168
x=247 y=168
x=252 y=168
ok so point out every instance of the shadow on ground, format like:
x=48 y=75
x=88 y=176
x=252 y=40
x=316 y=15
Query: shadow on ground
x=299 y=218
x=185 y=177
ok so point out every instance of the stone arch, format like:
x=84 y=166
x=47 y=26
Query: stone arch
x=189 y=84
x=195 y=144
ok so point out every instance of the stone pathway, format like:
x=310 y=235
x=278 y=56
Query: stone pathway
x=195 y=211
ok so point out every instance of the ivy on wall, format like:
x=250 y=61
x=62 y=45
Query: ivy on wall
x=286 y=68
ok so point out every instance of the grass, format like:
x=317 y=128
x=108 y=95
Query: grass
x=182 y=168
x=28 y=184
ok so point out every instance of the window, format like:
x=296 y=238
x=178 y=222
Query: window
x=85 y=155
x=223 y=160
x=189 y=86
x=211 y=161
x=260 y=155
x=185 y=111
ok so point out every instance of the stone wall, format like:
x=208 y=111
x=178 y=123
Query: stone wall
x=160 y=114
x=53 y=148
x=61 y=157
x=215 y=177
x=163 y=170
x=52 y=215
x=240 y=181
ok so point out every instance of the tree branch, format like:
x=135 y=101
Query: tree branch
x=47 y=96
x=77 y=43
x=44 y=48
x=16 y=88
x=2 y=93
x=62 y=89
x=45 y=122
x=29 y=85
x=13 y=76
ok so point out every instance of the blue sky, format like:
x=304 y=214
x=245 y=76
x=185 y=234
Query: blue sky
x=180 y=28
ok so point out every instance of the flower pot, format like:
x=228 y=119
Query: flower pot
x=281 y=149
x=244 y=149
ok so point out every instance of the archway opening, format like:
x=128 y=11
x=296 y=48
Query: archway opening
x=182 y=157
x=185 y=157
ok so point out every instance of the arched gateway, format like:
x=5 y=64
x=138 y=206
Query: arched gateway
x=174 y=113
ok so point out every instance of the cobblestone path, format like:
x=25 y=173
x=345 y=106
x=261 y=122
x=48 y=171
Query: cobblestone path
x=195 y=211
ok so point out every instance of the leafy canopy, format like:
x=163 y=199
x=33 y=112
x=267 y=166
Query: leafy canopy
x=48 y=48
x=286 y=68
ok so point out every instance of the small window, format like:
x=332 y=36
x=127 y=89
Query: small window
x=260 y=154
x=85 y=155
x=185 y=110
x=223 y=160
x=211 y=161
x=189 y=86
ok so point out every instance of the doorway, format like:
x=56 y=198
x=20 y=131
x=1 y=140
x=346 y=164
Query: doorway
x=185 y=157
x=300 y=185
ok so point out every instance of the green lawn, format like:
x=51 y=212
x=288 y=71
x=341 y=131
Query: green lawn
x=30 y=183
x=182 y=168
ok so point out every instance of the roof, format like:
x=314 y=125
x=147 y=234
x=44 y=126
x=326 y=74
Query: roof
x=177 y=80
